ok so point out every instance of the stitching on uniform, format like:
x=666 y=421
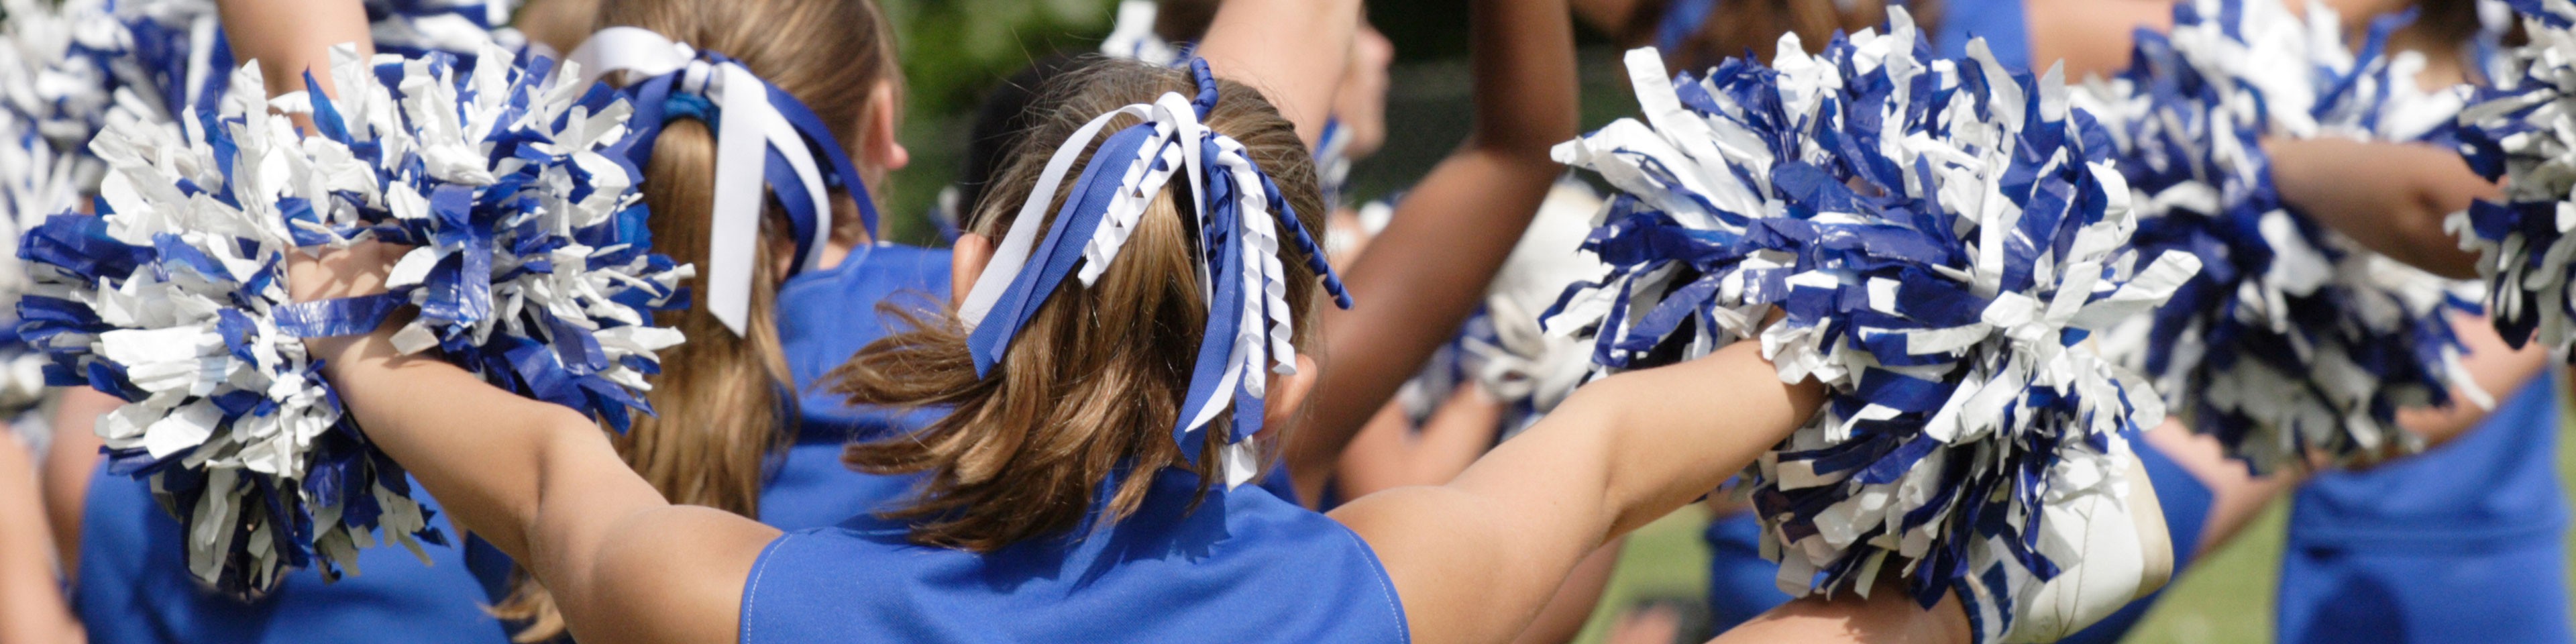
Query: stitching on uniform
x=758 y=569
x=1385 y=585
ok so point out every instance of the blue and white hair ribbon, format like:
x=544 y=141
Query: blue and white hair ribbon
x=1238 y=211
x=2519 y=131
x=1940 y=238
x=531 y=270
x=1132 y=35
x=765 y=138
x=2294 y=342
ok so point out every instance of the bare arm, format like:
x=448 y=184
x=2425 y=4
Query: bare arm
x=2497 y=368
x=541 y=482
x=1294 y=51
x=70 y=461
x=1388 y=453
x=2092 y=37
x=31 y=605
x=2390 y=197
x=1428 y=269
x=291 y=36
x=1565 y=614
x=1889 y=614
x=1619 y=453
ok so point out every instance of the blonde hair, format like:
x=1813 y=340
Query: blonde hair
x=1090 y=389
x=723 y=406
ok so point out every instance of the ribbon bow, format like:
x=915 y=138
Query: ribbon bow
x=764 y=136
x=1235 y=205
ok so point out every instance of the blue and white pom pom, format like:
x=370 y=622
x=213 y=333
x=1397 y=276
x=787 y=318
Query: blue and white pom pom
x=1940 y=238
x=532 y=270
x=2294 y=342
x=412 y=28
x=2519 y=131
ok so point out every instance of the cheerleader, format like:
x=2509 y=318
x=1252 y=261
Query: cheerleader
x=132 y=581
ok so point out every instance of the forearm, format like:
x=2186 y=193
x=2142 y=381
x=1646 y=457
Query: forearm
x=2390 y=197
x=1887 y=616
x=1294 y=51
x=1526 y=86
x=1501 y=538
x=1428 y=270
x=2492 y=366
x=70 y=462
x=31 y=604
x=288 y=37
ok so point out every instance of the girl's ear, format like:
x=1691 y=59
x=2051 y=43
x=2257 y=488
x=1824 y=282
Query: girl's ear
x=883 y=151
x=966 y=260
x=1287 y=393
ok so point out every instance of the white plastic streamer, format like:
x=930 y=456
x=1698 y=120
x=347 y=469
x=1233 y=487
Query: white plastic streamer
x=750 y=128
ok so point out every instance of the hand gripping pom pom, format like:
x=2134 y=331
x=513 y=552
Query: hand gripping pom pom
x=1940 y=238
x=531 y=269
x=2519 y=131
x=2294 y=341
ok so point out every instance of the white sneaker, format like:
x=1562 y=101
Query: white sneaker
x=2126 y=554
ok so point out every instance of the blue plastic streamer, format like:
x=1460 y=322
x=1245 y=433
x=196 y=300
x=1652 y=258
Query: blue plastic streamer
x=531 y=270
x=1239 y=216
x=2294 y=343
x=1938 y=239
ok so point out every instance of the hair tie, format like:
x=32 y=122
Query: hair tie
x=1238 y=212
x=689 y=106
x=770 y=141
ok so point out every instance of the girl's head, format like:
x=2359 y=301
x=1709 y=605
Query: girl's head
x=1092 y=386
x=722 y=405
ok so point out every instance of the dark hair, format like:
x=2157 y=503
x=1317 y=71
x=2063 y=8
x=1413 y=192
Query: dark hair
x=1002 y=120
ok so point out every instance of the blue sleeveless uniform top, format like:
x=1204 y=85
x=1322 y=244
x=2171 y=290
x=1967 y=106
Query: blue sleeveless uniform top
x=2497 y=483
x=134 y=586
x=2463 y=543
x=824 y=317
x=1242 y=567
x=2000 y=22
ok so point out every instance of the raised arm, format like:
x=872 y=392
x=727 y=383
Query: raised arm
x=1427 y=271
x=541 y=482
x=291 y=36
x=2390 y=197
x=1619 y=453
x=1292 y=50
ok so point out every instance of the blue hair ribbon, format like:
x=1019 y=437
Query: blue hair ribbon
x=1239 y=214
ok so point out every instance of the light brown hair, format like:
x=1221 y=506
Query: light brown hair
x=1087 y=394
x=724 y=405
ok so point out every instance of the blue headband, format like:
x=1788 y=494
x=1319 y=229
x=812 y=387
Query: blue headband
x=1234 y=203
